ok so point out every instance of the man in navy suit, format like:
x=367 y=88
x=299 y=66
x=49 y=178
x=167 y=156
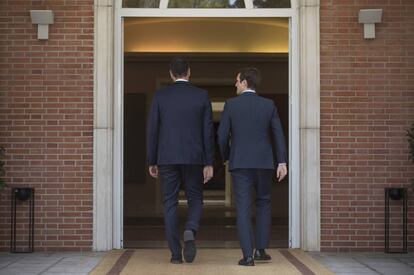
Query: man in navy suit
x=180 y=149
x=249 y=129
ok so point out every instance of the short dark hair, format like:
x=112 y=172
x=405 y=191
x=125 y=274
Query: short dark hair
x=179 y=67
x=252 y=77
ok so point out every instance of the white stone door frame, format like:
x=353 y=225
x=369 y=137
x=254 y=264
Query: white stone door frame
x=304 y=166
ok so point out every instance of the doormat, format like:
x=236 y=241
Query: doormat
x=207 y=262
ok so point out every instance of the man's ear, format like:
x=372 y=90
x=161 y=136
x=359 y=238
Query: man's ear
x=188 y=72
x=172 y=76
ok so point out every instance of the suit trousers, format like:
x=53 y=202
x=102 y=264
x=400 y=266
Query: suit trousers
x=192 y=178
x=244 y=180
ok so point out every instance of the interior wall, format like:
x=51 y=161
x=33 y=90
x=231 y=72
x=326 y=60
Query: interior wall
x=144 y=75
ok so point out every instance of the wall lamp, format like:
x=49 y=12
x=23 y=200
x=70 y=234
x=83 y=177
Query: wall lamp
x=42 y=18
x=369 y=17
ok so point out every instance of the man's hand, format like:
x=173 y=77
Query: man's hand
x=208 y=173
x=281 y=172
x=153 y=170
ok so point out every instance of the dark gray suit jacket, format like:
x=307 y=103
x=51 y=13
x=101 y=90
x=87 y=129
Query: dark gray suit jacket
x=249 y=128
x=180 y=127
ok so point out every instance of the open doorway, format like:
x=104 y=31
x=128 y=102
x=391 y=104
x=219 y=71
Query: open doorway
x=215 y=58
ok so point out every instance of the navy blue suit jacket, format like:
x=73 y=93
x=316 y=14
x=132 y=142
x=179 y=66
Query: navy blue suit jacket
x=248 y=128
x=180 y=126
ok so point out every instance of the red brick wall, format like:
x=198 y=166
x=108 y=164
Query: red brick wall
x=367 y=103
x=46 y=117
x=46 y=120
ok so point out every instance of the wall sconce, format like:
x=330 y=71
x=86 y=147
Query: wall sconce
x=369 y=18
x=43 y=18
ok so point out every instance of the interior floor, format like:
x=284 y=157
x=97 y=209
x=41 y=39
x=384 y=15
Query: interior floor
x=217 y=229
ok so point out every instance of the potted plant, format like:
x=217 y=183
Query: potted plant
x=410 y=135
x=2 y=170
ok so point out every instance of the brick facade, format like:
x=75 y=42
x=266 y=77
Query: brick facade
x=46 y=120
x=367 y=103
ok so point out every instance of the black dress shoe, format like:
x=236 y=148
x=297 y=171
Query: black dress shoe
x=189 y=251
x=176 y=260
x=261 y=255
x=189 y=245
x=246 y=261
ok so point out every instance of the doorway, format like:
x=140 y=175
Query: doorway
x=213 y=70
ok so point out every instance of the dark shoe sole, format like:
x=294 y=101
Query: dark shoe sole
x=246 y=264
x=189 y=251
x=262 y=259
x=176 y=261
x=261 y=255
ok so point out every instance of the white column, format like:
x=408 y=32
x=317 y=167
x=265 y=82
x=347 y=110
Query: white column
x=310 y=123
x=103 y=125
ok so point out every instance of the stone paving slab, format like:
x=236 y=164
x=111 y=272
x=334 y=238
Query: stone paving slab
x=49 y=263
x=367 y=263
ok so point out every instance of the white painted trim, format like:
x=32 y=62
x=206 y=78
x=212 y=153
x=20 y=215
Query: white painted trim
x=294 y=168
x=128 y=12
x=118 y=180
x=294 y=144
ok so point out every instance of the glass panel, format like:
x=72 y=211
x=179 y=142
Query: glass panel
x=208 y=4
x=271 y=4
x=141 y=4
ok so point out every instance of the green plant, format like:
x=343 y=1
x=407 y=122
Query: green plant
x=410 y=135
x=2 y=171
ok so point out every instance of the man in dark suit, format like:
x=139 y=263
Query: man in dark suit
x=249 y=129
x=180 y=149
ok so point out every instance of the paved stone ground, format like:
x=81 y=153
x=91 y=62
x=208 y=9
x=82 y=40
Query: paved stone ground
x=81 y=263
x=367 y=263
x=70 y=263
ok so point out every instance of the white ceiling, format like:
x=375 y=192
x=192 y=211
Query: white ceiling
x=208 y=35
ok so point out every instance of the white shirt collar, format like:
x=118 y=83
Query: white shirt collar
x=181 y=79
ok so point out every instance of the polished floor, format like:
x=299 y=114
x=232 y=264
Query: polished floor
x=208 y=236
x=217 y=230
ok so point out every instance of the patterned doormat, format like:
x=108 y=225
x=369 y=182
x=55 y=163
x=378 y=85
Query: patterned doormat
x=207 y=262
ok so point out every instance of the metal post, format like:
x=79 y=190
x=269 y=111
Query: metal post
x=405 y=221
x=13 y=230
x=404 y=197
x=387 y=221
x=13 y=222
